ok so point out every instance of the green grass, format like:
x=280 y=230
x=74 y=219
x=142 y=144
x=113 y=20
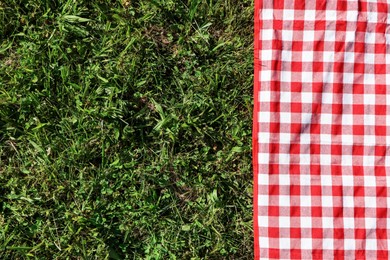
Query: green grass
x=125 y=129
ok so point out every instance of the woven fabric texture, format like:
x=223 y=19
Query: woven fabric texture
x=321 y=129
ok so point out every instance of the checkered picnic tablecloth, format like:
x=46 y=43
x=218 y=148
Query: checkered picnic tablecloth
x=321 y=131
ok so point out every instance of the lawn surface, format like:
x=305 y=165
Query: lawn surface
x=125 y=129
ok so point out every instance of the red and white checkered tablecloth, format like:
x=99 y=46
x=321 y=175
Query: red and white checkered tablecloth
x=321 y=132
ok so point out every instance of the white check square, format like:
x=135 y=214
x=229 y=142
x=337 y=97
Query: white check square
x=348 y=202
x=347 y=120
x=286 y=55
x=265 y=75
x=285 y=97
x=370 y=38
x=328 y=243
x=263 y=179
x=346 y=160
x=347 y=180
x=369 y=140
x=326 y=180
x=288 y=14
x=304 y=159
x=371 y=244
x=267 y=14
x=310 y=15
x=349 y=57
x=372 y=16
x=307 y=97
x=328 y=56
x=284 y=179
x=285 y=76
x=264 y=117
x=263 y=200
x=263 y=221
x=370 y=223
x=306 y=202
x=284 y=201
x=267 y=34
x=285 y=138
x=369 y=79
x=347 y=139
x=327 y=98
x=326 y=119
x=369 y=160
x=285 y=117
x=331 y=15
x=327 y=77
x=370 y=202
x=327 y=201
x=326 y=160
x=327 y=222
x=306 y=117
x=284 y=158
x=265 y=96
x=349 y=223
x=369 y=99
x=352 y=16
x=369 y=58
x=287 y=35
x=266 y=55
x=308 y=36
x=369 y=119
x=306 y=243
x=264 y=242
x=348 y=78
x=369 y=181
x=330 y=36
x=325 y=139
x=349 y=244
x=347 y=99
x=285 y=243
x=307 y=56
